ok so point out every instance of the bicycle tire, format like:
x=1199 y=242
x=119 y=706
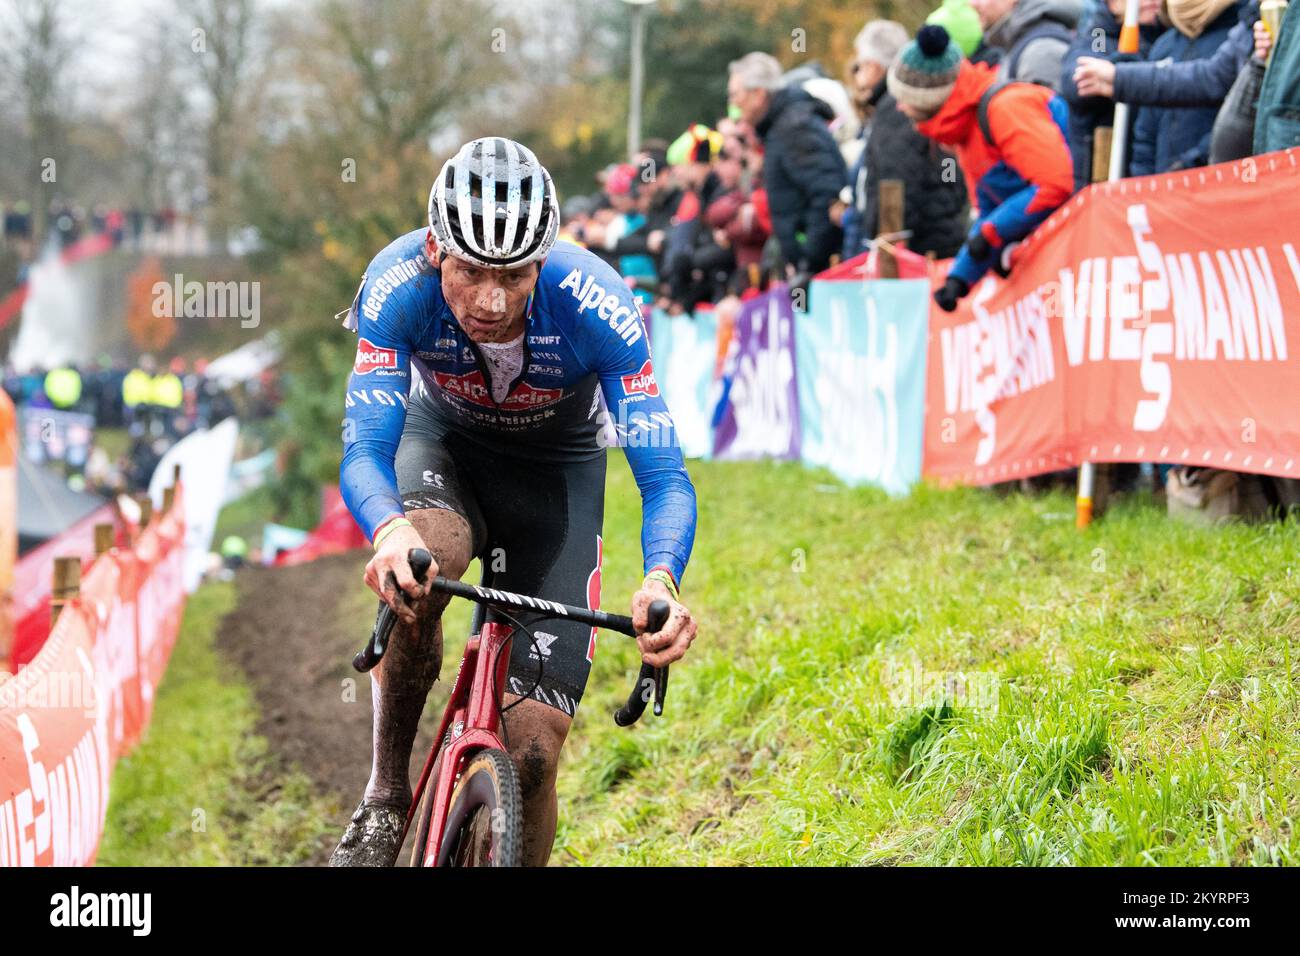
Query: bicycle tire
x=485 y=819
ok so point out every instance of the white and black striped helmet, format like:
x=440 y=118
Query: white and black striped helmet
x=494 y=205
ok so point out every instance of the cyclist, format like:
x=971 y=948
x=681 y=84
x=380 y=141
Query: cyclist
x=498 y=452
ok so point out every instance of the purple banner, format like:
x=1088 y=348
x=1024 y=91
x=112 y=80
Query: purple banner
x=760 y=418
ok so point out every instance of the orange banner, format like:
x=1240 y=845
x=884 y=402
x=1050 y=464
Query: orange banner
x=1151 y=319
x=85 y=698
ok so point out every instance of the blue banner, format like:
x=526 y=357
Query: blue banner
x=861 y=354
x=685 y=352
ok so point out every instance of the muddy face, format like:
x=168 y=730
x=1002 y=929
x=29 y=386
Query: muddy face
x=488 y=303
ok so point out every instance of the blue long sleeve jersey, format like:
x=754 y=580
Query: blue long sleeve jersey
x=584 y=340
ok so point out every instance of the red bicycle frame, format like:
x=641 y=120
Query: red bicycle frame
x=472 y=720
x=470 y=723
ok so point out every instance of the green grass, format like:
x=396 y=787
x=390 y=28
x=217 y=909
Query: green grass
x=245 y=517
x=949 y=678
x=201 y=789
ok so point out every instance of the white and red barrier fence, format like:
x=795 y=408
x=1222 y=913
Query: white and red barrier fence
x=86 y=695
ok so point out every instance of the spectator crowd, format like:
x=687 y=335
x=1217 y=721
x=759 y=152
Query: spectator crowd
x=990 y=117
x=133 y=228
x=150 y=406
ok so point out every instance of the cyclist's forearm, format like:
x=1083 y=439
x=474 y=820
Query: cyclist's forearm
x=372 y=429
x=668 y=527
x=368 y=483
x=668 y=509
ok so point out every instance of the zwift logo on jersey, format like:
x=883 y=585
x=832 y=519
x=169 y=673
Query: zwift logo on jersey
x=622 y=319
x=371 y=357
x=641 y=382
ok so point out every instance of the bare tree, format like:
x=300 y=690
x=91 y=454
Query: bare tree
x=160 y=124
x=34 y=61
x=221 y=41
x=418 y=62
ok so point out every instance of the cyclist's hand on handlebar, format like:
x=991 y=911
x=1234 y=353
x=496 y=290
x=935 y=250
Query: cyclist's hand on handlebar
x=669 y=644
x=390 y=563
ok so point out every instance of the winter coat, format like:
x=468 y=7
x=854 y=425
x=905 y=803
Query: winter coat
x=1035 y=36
x=803 y=172
x=934 y=194
x=1089 y=112
x=1198 y=82
x=1017 y=180
x=1277 y=120
x=745 y=231
x=659 y=217
x=1167 y=138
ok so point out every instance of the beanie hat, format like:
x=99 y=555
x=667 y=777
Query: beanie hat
x=880 y=41
x=961 y=21
x=926 y=71
x=699 y=144
x=619 y=180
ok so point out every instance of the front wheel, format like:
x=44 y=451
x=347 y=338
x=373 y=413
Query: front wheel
x=485 y=821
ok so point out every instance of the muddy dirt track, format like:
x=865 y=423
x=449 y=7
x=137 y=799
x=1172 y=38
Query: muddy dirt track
x=293 y=634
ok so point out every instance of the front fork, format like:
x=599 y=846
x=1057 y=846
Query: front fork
x=470 y=723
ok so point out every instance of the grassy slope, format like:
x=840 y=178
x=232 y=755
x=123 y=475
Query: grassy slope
x=1138 y=702
x=201 y=789
x=1144 y=706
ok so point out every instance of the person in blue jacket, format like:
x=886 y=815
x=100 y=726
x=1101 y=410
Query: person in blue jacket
x=1098 y=36
x=1195 y=82
x=803 y=169
x=1169 y=138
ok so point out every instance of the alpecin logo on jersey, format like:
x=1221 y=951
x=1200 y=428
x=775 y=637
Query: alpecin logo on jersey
x=472 y=388
x=371 y=357
x=624 y=320
x=641 y=382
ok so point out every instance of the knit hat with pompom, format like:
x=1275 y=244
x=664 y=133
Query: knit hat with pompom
x=926 y=71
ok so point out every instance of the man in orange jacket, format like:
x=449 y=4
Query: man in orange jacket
x=1010 y=139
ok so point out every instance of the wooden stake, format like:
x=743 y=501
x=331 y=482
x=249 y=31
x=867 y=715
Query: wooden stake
x=169 y=493
x=146 y=509
x=891 y=223
x=103 y=538
x=1101 y=140
x=67 y=585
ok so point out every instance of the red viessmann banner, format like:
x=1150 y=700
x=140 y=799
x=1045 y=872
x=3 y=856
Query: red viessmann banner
x=1149 y=319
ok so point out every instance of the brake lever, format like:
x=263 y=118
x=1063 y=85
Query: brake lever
x=656 y=617
x=370 y=655
x=661 y=689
